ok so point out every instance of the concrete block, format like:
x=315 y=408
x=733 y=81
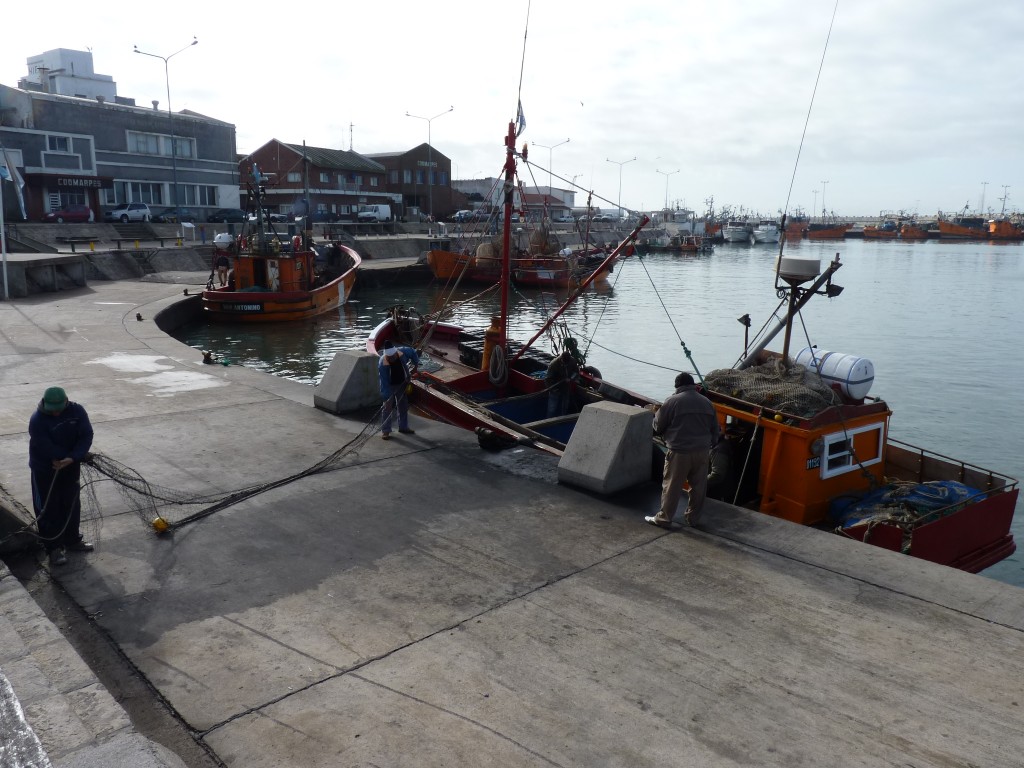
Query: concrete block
x=349 y=384
x=610 y=448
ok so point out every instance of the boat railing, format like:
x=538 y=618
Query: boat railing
x=924 y=465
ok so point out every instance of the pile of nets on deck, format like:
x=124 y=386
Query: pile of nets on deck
x=787 y=389
x=903 y=503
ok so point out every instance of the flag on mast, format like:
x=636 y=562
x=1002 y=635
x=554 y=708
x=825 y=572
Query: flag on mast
x=520 y=120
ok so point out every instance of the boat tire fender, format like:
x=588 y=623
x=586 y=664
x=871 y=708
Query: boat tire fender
x=593 y=371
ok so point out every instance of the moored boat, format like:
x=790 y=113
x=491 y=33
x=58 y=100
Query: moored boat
x=913 y=230
x=481 y=379
x=275 y=278
x=887 y=230
x=766 y=231
x=824 y=230
x=811 y=446
x=963 y=228
x=1004 y=229
x=736 y=231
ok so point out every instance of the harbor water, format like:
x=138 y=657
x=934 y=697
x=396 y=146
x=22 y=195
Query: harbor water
x=940 y=321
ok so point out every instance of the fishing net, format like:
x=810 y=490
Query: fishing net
x=789 y=389
x=108 y=484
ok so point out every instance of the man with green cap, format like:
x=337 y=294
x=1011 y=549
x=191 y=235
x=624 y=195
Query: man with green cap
x=60 y=437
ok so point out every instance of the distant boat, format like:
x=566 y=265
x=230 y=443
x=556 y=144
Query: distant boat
x=887 y=230
x=911 y=230
x=766 y=231
x=737 y=232
x=963 y=228
x=827 y=230
x=1003 y=229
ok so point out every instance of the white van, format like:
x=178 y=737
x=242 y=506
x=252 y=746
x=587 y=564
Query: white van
x=374 y=212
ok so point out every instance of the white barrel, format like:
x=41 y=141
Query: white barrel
x=854 y=375
x=800 y=270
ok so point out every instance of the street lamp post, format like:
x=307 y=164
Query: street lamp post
x=550 y=149
x=667 y=174
x=620 y=164
x=170 y=116
x=823 y=208
x=430 y=157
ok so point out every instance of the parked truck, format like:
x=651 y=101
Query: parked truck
x=375 y=212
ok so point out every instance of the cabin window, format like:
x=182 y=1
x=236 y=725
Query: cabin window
x=851 y=449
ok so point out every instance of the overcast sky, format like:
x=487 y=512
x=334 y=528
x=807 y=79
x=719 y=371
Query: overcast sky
x=920 y=102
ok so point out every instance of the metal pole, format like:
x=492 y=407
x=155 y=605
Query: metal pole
x=3 y=235
x=550 y=162
x=667 y=174
x=170 y=116
x=430 y=156
x=620 y=164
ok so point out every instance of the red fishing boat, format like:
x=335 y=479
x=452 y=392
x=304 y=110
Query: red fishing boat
x=827 y=230
x=483 y=380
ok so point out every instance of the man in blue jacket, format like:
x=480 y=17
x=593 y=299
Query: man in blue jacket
x=393 y=372
x=689 y=425
x=60 y=437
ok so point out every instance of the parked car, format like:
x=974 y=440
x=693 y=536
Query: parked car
x=174 y=215
x=277 y=218
x=227 y=216
x=565 y=219
x=462 y=216
x=126 y=212
x=605 y=217
x=75 y=213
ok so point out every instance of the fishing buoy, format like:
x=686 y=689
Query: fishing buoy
x=778 y=417
x=160 y=525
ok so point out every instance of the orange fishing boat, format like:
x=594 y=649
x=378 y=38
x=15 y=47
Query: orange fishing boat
x=811 y=446
x=911 y=230
x=1003 y=229
x=275 y=278
x=887 y=230
x=827 y=231
x=963 y=228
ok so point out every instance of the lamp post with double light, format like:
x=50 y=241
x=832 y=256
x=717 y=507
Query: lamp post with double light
x=620 y=164
x=170 y=115
x=666 y=174
x=550 y=150
x=430 y=157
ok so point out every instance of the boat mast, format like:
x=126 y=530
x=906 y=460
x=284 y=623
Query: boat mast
x=506 y=241
x=307 y=224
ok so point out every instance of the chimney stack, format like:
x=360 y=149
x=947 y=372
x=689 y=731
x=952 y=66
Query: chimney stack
x=156 y=105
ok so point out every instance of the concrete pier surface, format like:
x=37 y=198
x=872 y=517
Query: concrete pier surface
x=427 y=603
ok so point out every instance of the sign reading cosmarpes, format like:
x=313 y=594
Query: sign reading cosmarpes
x=85 y=182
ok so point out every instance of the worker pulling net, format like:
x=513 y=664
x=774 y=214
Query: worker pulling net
x=166 y=508
x=789 y=389
x=158 y=506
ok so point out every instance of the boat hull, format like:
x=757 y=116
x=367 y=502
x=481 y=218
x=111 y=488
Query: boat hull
x=826 y=232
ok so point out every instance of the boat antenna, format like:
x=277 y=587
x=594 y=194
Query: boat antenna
x=522 y=65
x=803 y=135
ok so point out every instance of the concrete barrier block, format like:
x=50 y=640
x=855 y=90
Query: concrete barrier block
x=610 y=448
x=349 y=384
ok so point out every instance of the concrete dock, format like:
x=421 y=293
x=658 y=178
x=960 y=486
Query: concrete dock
x=427 y=603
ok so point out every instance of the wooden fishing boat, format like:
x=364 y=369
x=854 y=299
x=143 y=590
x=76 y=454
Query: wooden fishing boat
x=827 y=230
x=963 y=228
x=912 y=230
x=887 y=230
x=1004 y=229
x=275 y=281
x=812 y=447
x=481 y=379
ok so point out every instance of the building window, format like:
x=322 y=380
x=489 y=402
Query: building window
x=143 y=144
x=392 y=177
x=407 y=176
x=357 y=180
x=183 y=147
x=294 y=176
x=419 y=176
x=146 y=192
x=325 y=177
x=442 y=178
x=58 y=143
x=207 y=195
x=374 y=181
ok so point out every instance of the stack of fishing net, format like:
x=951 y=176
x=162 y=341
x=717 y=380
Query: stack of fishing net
x=787 y=389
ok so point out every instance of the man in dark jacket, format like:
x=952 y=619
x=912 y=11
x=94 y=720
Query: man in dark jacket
x=60 y=437
x=393 y=374
x=689 y=425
